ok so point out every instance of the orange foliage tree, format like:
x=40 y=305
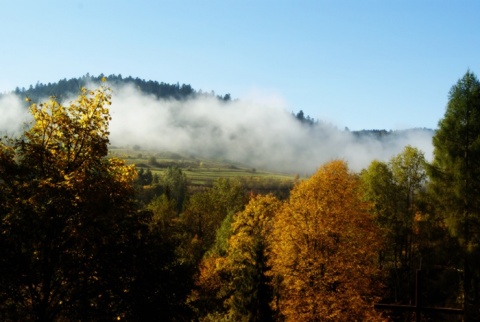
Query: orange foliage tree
x=324 y=250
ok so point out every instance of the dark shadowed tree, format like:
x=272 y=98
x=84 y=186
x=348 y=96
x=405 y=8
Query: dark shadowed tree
x=68 y=223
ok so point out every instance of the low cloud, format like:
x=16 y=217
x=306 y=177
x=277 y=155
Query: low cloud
x=257 y=132
x=13 y=115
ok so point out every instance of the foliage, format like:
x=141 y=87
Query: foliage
x=144 y=177
x=163 y=276
x=415 y=235
x=247 y=258
x=66 y=214
x=324 y=250
x=300 y=116
x=206 y=209
x=211 y=287
x=456 y=165
x=455 y=182
x=174 y=183
x=232 y=281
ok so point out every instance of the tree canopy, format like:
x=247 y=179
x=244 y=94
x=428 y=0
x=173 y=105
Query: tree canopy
x=324 y=250
x=66 y=213
x=455 y=174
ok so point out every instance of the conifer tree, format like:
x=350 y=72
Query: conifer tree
x=455 y=178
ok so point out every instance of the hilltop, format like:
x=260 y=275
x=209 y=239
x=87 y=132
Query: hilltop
x=177 y=118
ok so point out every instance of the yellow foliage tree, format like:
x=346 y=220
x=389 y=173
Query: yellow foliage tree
x=324 y=250
x=67 y=215
x=234 y=286
x=247 y=260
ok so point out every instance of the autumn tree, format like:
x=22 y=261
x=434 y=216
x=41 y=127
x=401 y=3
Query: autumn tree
x=206 y=227
x=324 y=250
x=247 y=260
x=212 y=288
x=67 y=216
x=235 y=274
x=455 y=178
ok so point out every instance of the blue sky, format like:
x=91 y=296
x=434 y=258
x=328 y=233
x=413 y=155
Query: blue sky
x=382 y=64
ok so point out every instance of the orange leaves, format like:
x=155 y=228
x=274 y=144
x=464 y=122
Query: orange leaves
x=324 y=247
x=209 y=278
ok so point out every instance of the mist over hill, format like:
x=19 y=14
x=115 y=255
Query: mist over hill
x=259 y=131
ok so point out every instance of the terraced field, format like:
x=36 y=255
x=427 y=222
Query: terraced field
x=199 y=171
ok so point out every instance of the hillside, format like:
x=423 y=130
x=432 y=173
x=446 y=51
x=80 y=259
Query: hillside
x=69 y=87
x=177 y=118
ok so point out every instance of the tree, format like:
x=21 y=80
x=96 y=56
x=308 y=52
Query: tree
x=206 y=210
x=381 y=189
x=144 y=177
x=163 y=275
x=408 y=170
x=67 y=216
x=208 y=219
x=174 y=182
x=455 y=180
x=247 y=261
x=232 y=284
x=393 y=188
x=324 y=250
x=211 y=283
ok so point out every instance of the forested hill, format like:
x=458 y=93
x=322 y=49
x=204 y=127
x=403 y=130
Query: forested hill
x=69 y=87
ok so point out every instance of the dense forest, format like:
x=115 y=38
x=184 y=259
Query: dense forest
x=67 y=87
x=85 y=236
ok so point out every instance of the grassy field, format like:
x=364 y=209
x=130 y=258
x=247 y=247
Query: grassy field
x=199 y=171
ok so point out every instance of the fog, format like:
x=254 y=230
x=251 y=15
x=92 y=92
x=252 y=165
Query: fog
x=13 y=115
x=258 y=131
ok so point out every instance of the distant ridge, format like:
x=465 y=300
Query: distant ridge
x=70 y=87
x=381 y=134
x=67 y=87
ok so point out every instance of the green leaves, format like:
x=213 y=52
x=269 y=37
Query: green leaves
x=455 y=179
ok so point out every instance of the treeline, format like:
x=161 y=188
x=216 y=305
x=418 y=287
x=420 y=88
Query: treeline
x=87 y=237
x=68 y=87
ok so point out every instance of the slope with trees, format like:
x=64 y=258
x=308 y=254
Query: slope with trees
x=65 y=88
x=83 y=236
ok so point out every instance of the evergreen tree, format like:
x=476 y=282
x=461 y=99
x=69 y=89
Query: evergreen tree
x=174 y=182
x=455 y=177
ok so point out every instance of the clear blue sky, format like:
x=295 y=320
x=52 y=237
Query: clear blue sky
x=382 y=64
